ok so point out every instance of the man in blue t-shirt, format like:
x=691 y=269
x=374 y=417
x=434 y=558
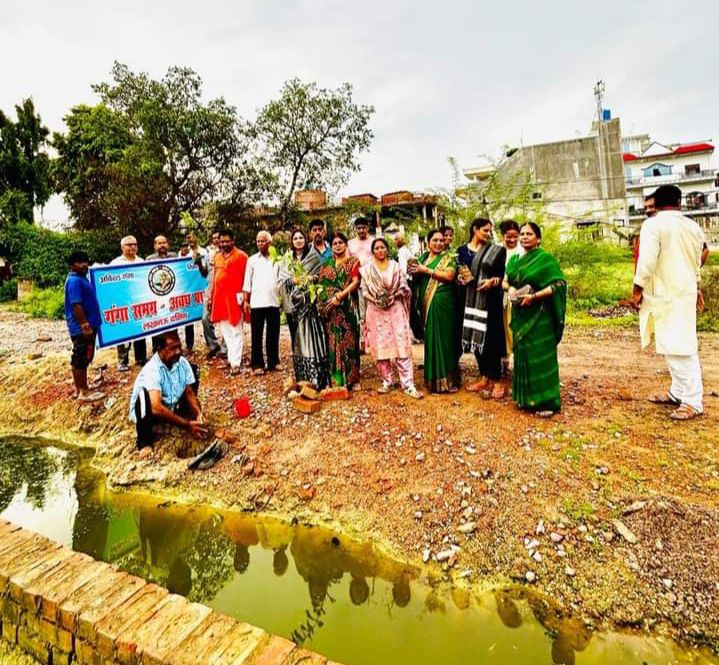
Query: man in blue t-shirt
x=83 y=320
x=166 y=390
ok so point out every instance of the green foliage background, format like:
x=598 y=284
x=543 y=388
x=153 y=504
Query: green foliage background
x=41 y=254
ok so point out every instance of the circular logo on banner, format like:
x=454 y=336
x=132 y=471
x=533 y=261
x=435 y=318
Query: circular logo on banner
x=161 y=280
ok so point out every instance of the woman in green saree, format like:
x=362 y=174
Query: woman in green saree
x=433 y=278
x=538 y=291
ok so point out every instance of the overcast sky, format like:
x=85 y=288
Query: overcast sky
x=450 y=77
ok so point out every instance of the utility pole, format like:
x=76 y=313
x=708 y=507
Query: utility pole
x=599 y=96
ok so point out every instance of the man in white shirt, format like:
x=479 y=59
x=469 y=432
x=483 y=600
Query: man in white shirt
x=404 y=253
x=128 y=247
x=361 y=247
x=262 y=303
x=666 y=292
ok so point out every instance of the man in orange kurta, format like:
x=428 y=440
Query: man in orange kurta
x=225 y=303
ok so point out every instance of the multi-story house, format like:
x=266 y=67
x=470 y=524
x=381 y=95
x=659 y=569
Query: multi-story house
x=648 y=164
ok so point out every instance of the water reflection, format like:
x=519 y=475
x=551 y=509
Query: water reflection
x=339 y=597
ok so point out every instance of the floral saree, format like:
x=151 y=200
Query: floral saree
x=341 y=322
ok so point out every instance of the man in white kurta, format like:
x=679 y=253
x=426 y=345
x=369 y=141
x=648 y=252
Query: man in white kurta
x=666 y=288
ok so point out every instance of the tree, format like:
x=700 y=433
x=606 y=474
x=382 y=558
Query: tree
x=312 y=136
x=24 y=164
x=506 y=192
x=148 y=152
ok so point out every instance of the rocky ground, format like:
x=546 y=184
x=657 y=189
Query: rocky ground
x=609 y=507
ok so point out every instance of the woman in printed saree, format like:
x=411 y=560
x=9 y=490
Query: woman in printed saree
x=433 y=278
x=339 y=278
x=298 y=273
x=538 y=291
x=388 y=337
x=483 y=327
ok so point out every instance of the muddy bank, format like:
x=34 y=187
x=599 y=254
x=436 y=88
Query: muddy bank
x=609 y=508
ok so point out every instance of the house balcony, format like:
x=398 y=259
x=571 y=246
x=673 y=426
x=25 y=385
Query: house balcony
x=672 y=179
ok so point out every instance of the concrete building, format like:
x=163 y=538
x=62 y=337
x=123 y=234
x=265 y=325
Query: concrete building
x=648 y=164
x=580 y=181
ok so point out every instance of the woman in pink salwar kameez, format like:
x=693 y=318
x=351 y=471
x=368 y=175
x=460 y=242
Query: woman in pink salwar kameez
x=388 y=336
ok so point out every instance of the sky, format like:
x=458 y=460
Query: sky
x=447 y=78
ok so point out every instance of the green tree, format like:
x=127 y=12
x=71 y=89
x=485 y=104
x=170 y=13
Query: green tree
x=504 y=193
x=149 y=152
x=24 y=163
x=311 y=136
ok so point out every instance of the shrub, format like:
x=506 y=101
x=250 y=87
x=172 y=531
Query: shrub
x=8 y=290
x=46 y=303
x=40 y=254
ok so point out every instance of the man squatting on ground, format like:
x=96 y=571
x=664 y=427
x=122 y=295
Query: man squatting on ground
x=666 y=292
x=83 y=320
x=165 y=390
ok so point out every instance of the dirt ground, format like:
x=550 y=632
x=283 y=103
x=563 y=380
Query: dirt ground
x=609 y=507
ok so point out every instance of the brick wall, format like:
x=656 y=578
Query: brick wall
x=63 y=607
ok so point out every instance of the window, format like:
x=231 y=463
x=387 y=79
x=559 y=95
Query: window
x=536 y=195
x=695 y=200
x=692 y=169
x=657 y=170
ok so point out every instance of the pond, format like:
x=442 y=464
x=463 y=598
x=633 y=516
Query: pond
x=337 y=597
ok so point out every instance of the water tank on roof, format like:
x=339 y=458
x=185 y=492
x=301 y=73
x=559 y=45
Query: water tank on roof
x=606 y=115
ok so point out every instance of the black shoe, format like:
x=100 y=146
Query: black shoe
x=209 y=456
x=211 y=354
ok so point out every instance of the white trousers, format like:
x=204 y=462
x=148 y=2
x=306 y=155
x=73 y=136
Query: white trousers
x=234 y=339
x=686 y=373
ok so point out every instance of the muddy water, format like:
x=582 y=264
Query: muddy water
x=336 y=597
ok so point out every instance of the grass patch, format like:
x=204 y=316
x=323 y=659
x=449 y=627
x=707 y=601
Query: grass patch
x=579 y=511
x=45 y=303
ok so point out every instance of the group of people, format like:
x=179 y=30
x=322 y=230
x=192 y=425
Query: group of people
x=504 y=302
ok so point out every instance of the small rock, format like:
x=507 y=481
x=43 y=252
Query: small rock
x=420 y=457
x=539 y=529
x=633 y=508
x=425 y=556
x=668 y=584
x=569 y=571
x=530 y=577
x=532 y=544
x=556 y=537
x=524 y=489
x=537 y=557
x=467 y=527
x=418 y=515
x=623 y=530
x=445 y=555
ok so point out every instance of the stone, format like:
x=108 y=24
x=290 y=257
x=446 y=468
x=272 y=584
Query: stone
x=569 y=571
x=307 y=406
x=420 y=457
x=467 y=527
x=530 y=576
x=556 y=537
x=634 y=507
x=624 y=531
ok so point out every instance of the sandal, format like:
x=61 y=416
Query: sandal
x=684 y=412
x=478 y=386
x=91 y=397
x=499 y=391
x=667 y=399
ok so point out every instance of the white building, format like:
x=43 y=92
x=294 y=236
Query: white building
x=648 y=164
